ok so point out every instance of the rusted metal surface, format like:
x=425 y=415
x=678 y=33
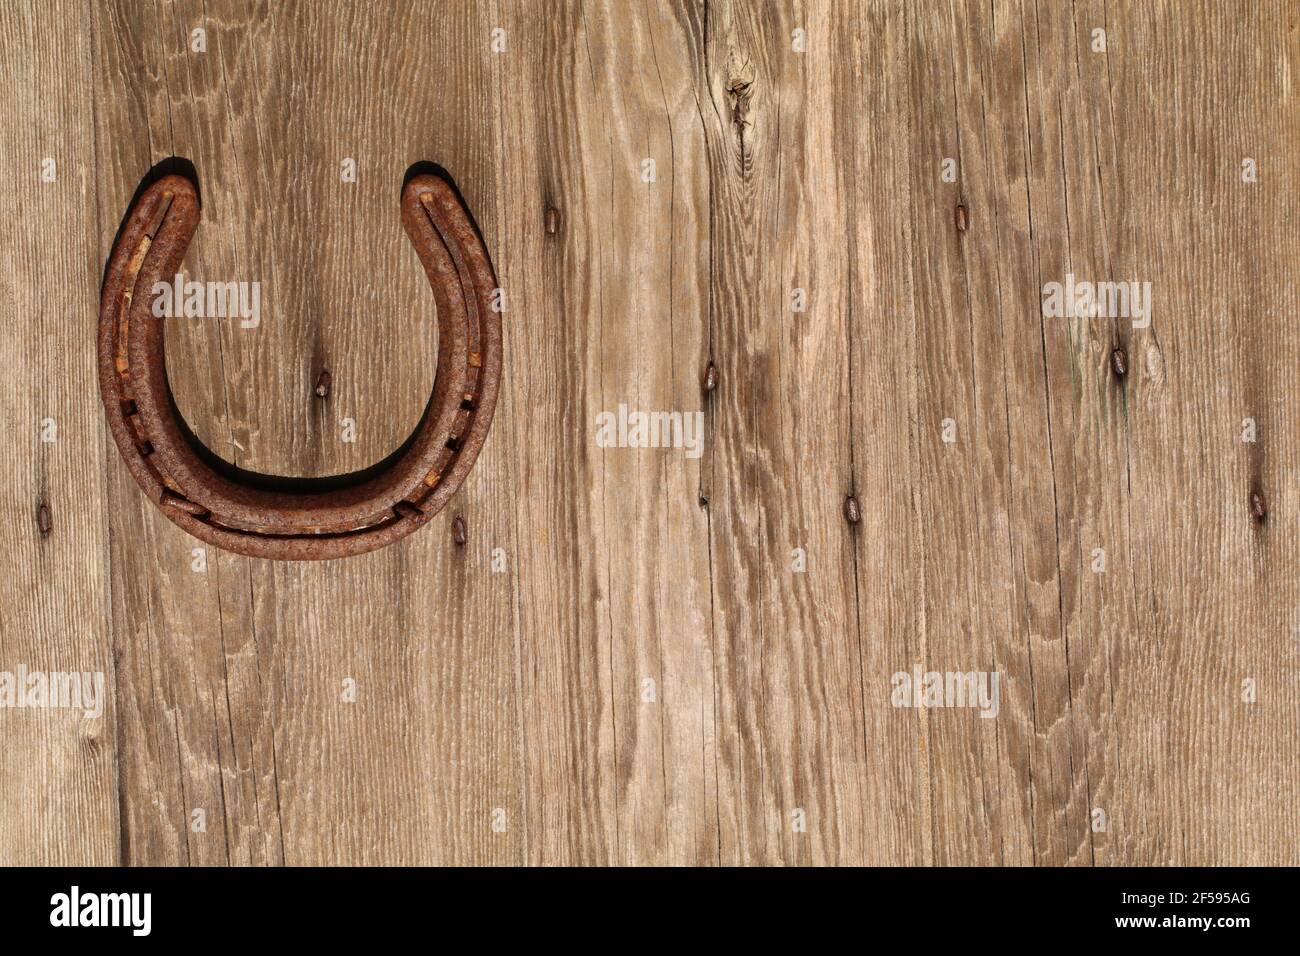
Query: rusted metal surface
x=852 y=510
x=1119 y=362
x=710 y=377
x=259 y=515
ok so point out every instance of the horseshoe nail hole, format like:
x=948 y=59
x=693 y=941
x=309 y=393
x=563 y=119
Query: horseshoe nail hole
x=467 y=405
x=129 y=407
x=404 y=509
x=172 y=499
x=453 y=443
x=146 y=448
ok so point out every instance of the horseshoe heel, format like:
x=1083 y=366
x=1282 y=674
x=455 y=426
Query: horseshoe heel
x=285 y=518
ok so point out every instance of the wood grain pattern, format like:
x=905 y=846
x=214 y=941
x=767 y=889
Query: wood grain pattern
x=639 y=656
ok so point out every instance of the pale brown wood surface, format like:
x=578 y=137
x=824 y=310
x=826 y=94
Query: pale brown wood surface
x=639 y=656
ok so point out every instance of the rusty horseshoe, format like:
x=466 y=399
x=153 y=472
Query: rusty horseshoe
x=294 y=518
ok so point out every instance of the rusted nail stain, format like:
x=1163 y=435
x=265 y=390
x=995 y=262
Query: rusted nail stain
x=710 y=377
x=961 y=217
x=458 y=531
x=44 y=520
x=1258 y=506
x=1119 y=362
x=852 y=510
x=323 y=383
x=552 y=221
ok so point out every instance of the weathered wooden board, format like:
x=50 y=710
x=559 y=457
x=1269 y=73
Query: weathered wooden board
x=680 y=655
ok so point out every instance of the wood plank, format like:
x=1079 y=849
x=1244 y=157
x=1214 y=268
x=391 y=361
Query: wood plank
x=639 y=656
x=791 y=736
x=58 y=800
x=422 y=633
x=1215 y=590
